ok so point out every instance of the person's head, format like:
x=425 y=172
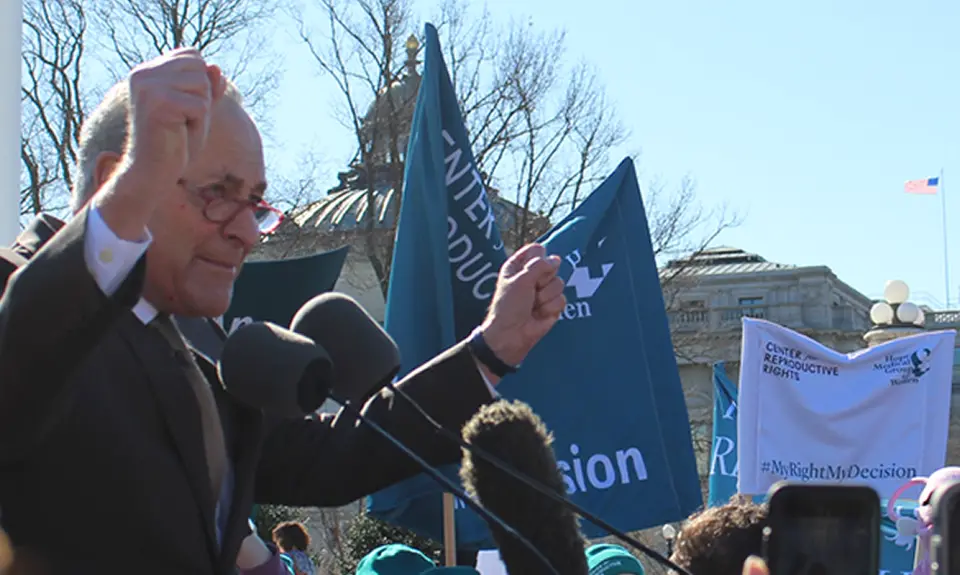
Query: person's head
x=608 y=559
x=193 y=261
x=718 y=540
x=291 y=536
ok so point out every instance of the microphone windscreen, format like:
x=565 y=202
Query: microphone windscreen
x=513 y=433
x=365 y=356
x=268 y=367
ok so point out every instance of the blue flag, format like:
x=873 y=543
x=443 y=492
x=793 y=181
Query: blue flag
x=723 y=453
x=446 y=258
x=604 y=380
x=894 y=559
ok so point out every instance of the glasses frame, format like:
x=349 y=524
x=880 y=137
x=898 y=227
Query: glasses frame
x=240 y=205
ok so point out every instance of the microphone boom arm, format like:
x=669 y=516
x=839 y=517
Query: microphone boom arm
x=537 y=486
x=446 y=482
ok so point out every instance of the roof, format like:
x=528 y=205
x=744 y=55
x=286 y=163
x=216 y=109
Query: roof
x=725 y=261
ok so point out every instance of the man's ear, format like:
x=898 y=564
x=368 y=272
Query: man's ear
x=107 y=163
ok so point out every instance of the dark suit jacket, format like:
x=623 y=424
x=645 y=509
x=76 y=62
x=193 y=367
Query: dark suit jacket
x=101 y=457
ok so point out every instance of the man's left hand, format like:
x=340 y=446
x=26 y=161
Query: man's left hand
x=527 y=303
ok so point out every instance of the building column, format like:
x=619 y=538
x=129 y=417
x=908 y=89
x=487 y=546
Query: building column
x=11 y=22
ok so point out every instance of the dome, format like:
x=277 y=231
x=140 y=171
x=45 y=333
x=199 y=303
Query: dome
x=397 y=100
x=345 y=208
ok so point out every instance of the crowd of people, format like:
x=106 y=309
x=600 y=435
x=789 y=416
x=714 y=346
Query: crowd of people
x=716 y=541
x=112 y=420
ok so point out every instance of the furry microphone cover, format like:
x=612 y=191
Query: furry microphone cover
x=512 y=432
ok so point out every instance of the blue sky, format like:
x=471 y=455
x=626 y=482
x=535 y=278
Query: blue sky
x=805 y=117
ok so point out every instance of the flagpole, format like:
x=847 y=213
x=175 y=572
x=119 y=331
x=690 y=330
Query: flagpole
x=946 y=257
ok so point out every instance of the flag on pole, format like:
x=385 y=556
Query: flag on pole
x=446 y=259
x=926 y=186
x=723 y=454
x=604 y=380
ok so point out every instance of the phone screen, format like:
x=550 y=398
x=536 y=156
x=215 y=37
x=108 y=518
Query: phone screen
x=816 y=532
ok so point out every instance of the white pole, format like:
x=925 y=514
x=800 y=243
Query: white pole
x=11 y=22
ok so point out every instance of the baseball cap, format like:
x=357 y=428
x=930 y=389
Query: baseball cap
x=606 y=559
x=394 y=559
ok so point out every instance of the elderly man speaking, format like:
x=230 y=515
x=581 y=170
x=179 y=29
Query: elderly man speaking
x=114 y=455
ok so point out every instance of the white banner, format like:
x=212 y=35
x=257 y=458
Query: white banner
x=876 y=416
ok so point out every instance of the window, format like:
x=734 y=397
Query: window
x=749 y=301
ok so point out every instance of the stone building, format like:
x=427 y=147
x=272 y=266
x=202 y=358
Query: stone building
x=708 y=293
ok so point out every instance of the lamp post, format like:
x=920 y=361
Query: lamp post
x=669 y=533
x=894 y=317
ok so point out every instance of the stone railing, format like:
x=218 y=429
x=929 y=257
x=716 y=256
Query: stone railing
x=942 y=319
x=687 y=320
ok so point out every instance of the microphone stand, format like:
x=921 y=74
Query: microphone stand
x=537 y=486
x=446 y=483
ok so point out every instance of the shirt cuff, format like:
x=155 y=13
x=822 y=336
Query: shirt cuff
x=109 y=258
x=493 y=390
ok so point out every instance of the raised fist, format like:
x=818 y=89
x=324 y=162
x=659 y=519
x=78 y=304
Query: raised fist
x=170 y=104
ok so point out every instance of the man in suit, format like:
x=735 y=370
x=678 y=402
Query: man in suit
x=117 y=447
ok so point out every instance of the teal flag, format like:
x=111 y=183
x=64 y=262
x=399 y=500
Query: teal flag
x=894 y=559
x=447 y=255
x=723 y=453
x=604 y=380
x=274 y=290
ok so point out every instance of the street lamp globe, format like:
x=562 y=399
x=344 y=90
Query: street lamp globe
x=669 y=532
x=896 y=292
x=922 y=318
x=908 y=312
x=881 y=313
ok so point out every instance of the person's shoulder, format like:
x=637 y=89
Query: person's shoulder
x=10 y=260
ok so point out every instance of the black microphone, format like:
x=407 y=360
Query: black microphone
x=352 y=336
x=516 y=435
x=268 y=367
x=296 y=380
x=366 y=357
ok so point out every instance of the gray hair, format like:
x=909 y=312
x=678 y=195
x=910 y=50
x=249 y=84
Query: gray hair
x=107 y=129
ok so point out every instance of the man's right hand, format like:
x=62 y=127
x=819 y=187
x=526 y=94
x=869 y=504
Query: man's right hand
x=171 y=98
x=170 y=102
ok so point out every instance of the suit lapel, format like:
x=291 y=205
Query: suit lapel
x=178 y=405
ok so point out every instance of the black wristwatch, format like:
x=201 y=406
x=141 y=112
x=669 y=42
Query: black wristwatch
x=480 y=350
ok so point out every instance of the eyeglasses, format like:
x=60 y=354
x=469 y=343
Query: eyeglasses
x=219 y=207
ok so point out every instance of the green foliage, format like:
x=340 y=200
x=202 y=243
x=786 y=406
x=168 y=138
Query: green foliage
x=266 y=517
x=367 y=533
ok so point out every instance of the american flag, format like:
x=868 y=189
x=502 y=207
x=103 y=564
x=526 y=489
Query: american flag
x=924 y=186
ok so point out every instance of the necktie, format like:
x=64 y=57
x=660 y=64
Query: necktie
x=213 y=441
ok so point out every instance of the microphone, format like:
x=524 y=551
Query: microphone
x=516 y=435
x=350 y=334
x=366 y=356
x=268 y=367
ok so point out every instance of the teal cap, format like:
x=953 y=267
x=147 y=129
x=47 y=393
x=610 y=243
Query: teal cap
x=394 y=559
x=608 y=559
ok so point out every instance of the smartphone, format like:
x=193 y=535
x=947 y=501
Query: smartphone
x=945 y=543
x=822 y=530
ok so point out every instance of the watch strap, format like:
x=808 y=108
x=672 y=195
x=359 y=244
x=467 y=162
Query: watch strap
x=480 y=350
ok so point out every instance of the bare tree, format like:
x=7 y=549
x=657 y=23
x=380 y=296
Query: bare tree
x=233 y=32
x=535 y=127
x=53 y=98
